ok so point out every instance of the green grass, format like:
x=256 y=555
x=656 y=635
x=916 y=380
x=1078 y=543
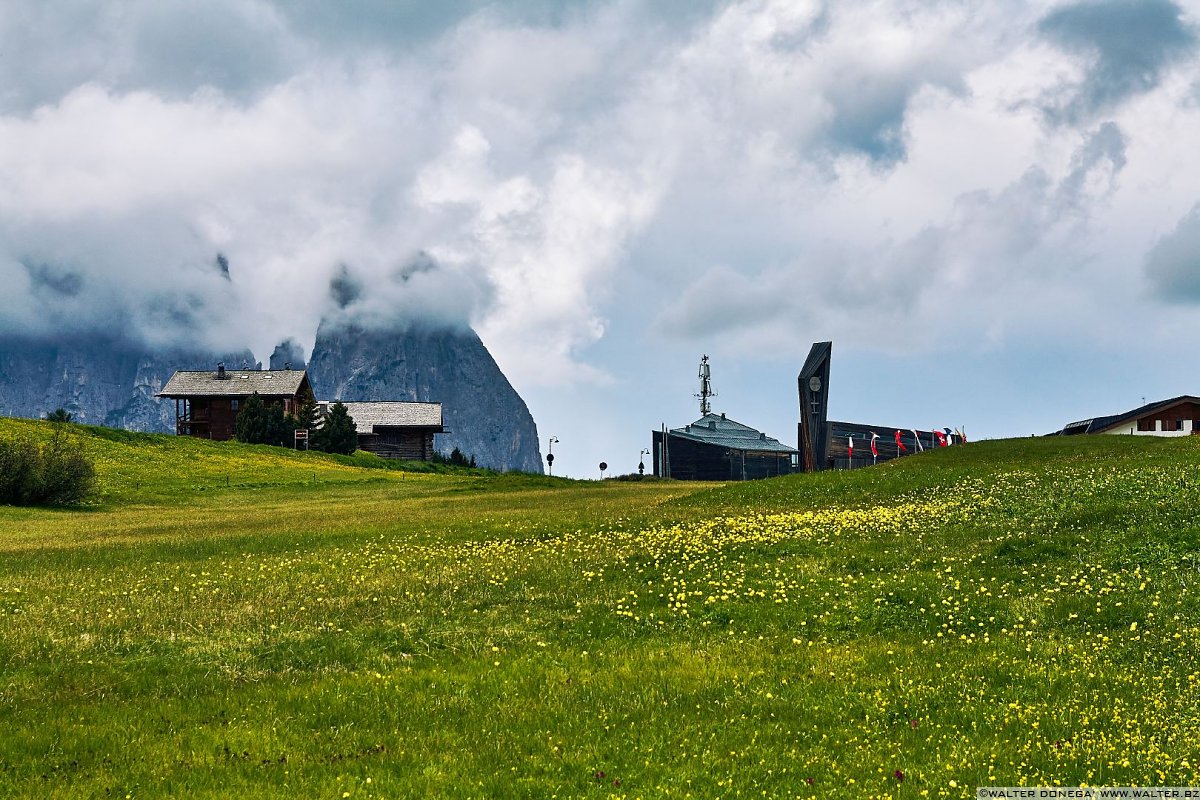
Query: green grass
x=244 y=621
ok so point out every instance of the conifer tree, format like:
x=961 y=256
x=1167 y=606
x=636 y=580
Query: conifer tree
x=258 y=423
x=338 y=433
x=308 y=416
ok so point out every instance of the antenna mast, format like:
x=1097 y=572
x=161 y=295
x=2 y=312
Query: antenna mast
x=706 y=390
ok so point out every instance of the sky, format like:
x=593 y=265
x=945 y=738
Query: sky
x=992 y=209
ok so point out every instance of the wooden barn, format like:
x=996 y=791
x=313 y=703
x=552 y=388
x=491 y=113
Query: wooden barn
x=396 y=429
x=207 y=403
x=715 y=448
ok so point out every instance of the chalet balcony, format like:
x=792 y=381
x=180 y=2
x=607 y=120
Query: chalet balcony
x=194 y=423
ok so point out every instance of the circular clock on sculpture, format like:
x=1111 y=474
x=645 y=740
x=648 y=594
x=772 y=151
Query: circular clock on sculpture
x=814 y=384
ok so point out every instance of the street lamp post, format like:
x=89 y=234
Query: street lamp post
x=641 y=462
x=550 y=453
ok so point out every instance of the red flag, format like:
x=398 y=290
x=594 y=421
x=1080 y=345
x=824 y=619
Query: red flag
x=899 y=444
x=850 y=447
x=941 y=438
x=874 y=449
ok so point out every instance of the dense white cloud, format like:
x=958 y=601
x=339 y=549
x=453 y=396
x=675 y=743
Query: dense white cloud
x=745 y=176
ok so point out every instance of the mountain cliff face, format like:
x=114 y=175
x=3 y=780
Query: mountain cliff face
x=484 y=415
x=100 y=381
x=287 y=355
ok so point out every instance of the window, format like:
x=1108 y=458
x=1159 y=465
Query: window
x=1178 y=424
x=1145 y=424
x=233 y=405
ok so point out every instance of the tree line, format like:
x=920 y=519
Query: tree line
x=333 y=432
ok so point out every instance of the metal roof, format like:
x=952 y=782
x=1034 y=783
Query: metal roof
x=386 y=414
x=236 y=383
x=718 y=430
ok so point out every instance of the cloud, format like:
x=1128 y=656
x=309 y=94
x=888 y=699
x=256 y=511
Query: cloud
x=833 y=78
x=1127 y=44
x=551 y=173
x=54 y=280
x=284 y=190
x=417 y=292
x=345 y=289
x=542 y=243
x=168 y=47
x=997 y=256
x=723 y=301
x=313 y=159
x=1094 y=167
x=1173 y=265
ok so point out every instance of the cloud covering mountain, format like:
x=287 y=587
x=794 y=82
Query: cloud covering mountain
x=603 y=189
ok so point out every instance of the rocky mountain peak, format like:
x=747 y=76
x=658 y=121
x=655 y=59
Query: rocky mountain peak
x=484 y=415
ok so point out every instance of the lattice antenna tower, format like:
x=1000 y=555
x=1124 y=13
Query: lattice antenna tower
x=706 y=390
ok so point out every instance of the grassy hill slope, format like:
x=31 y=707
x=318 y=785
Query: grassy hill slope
x=1018 y=612
x=142 y=467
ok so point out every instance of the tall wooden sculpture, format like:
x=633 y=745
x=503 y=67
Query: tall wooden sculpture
x=814 y=406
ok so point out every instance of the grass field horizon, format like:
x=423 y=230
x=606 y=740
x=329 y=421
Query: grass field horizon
x=228 y=620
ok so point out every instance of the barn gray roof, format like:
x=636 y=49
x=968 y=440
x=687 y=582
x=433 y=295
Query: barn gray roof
x=388 y=414
x=716 y=429
x=236 y=383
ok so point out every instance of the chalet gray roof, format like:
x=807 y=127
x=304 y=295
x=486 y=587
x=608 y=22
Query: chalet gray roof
x=718 y=430
x=369 y=415
x=236 y=383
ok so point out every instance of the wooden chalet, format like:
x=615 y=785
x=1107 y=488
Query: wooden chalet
x=207 y=403
x=715 y=448
x=1179 y=416
x=395 y=429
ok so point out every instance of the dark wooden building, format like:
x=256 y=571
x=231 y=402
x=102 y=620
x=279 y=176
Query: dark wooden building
x=715 y=448
x=837 y=454
x=396 y=429
x=207 y=403
x=824 y=444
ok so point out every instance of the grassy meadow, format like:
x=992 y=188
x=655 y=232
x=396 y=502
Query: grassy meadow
x=225 y=620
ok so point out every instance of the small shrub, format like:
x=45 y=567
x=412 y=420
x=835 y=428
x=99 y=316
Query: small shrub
x=56 y=473
x=20 y=463
x=67 y=475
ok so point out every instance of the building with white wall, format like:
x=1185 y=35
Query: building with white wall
x=1179 y=416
